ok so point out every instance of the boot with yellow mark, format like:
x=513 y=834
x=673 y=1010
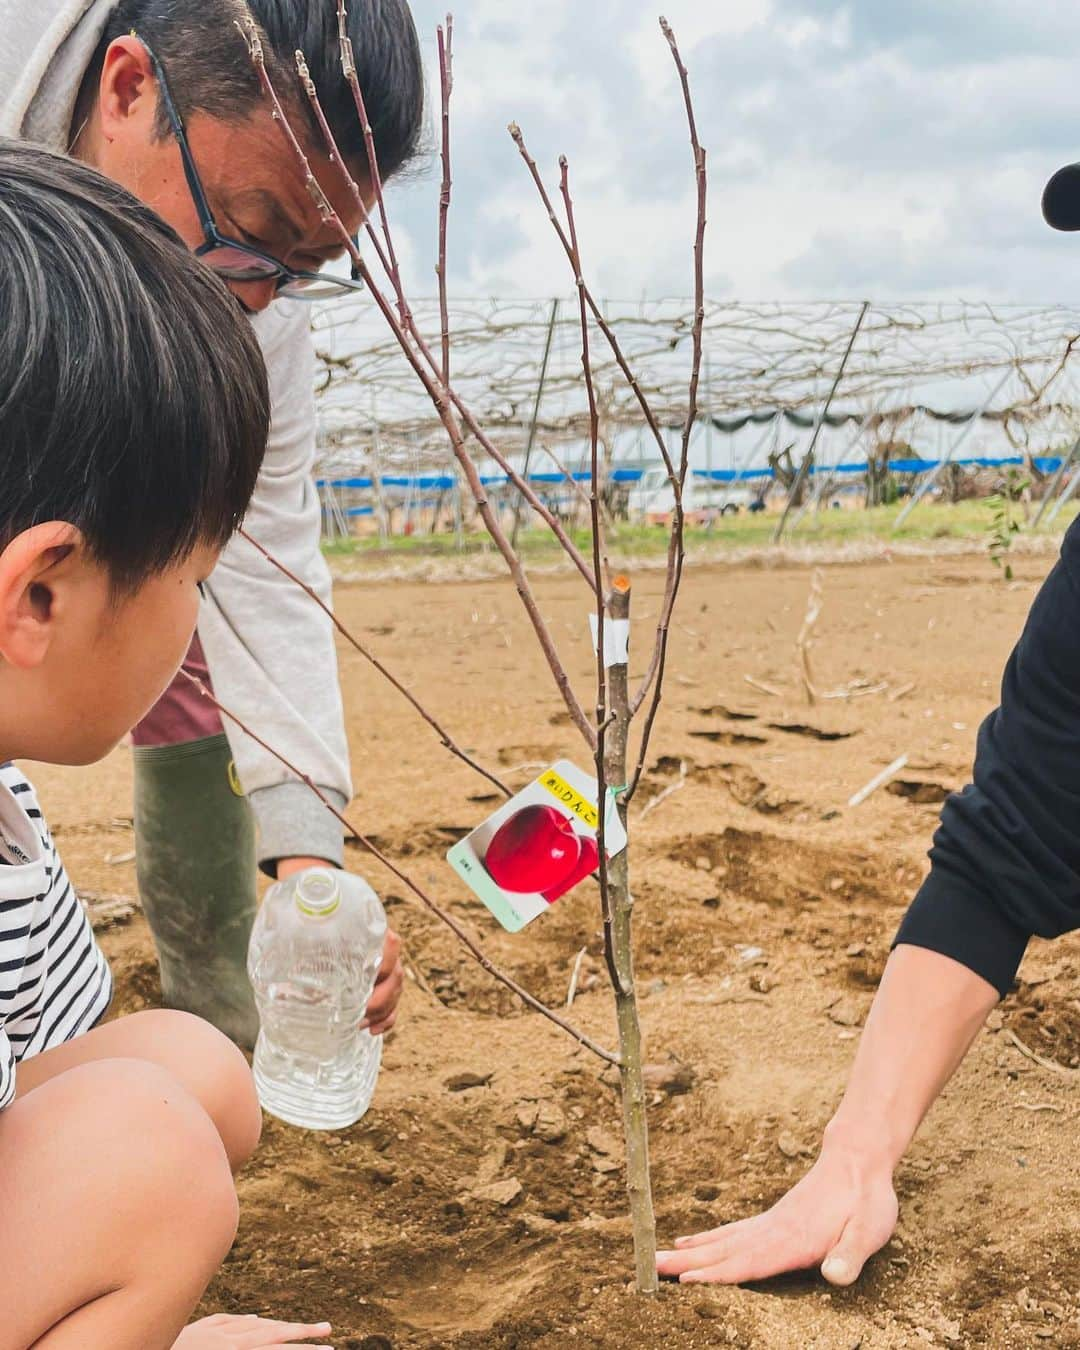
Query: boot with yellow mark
x=195 y=856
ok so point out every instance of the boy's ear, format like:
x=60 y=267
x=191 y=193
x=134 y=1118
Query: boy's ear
x=31 y=566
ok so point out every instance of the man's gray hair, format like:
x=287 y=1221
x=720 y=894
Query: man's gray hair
x=210 y=70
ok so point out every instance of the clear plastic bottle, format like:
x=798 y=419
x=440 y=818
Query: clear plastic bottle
x=315 y=951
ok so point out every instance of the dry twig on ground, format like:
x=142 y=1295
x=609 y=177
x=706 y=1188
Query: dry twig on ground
x=805 y=641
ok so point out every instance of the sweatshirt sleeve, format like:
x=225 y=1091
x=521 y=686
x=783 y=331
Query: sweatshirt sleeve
x=270 y=649
x=1005 y=863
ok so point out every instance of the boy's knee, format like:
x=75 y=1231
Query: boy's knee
x=214 y=1070
x=185 y=1163
x=158 y=1146
x=231 y=1098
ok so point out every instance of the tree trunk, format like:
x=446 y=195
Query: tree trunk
x=621 y=961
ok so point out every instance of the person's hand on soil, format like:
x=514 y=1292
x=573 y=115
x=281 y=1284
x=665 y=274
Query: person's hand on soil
x=225 y=1332
x=382 y=1011
x=838 y=1216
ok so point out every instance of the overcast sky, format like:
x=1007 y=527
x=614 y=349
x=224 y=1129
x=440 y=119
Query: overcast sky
x=881 y=148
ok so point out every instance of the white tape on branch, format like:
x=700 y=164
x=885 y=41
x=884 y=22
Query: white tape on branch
x=616 y=640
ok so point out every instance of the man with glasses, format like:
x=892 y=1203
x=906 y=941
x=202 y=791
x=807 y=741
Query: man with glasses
x=161 y=96
x=238 y=262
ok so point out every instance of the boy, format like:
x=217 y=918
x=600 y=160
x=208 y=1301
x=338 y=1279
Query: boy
x=133 y=419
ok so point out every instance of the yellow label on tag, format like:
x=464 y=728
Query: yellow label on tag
x=234 y=779
x=570 y=798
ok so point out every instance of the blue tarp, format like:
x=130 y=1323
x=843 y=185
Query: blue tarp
x=444 y=482
x=1044 y=464
x=733 y=475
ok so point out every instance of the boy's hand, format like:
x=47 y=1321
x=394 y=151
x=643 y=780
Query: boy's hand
x=225 y=1332
x=838 y=1216
x=382 y=1011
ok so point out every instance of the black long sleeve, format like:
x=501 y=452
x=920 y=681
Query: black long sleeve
x=1006 y=856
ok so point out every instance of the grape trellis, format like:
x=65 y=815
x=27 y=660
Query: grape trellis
x=914 y=369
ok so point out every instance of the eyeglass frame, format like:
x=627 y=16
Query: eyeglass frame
x=213 y=236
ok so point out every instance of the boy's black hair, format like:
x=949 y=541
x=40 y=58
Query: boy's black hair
x=133 y=394
x=210 y=71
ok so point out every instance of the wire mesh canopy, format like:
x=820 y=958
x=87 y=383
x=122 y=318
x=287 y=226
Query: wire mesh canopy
x=915 y=370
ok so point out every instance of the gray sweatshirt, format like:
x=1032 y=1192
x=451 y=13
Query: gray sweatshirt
x=270 y=650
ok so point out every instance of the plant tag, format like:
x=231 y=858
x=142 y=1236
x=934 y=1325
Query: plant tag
x=616 y=640
x=538 y=846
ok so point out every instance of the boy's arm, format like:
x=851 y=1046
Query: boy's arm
x=270 y=650
x=927 y=1012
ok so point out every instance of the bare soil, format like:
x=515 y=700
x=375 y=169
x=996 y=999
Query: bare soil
x=766 y=909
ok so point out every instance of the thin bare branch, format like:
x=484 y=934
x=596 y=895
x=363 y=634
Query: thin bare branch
x=388 y=263
x=583 y=497
x=669 y=791
x=467 y=941
x=423 y=364
x=598 y=313
x=598 y=572
x=491 y=522
x=333 y=150
x=350 y=637
x=677 y=552
x=594 y=420
x=250 y=33
x=348 y=66
x=446 y=79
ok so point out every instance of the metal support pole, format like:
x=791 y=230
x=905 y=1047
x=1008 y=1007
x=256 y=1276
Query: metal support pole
x=535 y=417
x=382 y=515
x=1055 y=484
x=808 y=458
x=459 y=515
x=825 y=480
x=931 y=478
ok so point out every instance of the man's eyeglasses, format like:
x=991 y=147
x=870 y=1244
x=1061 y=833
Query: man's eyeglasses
x=232 y=259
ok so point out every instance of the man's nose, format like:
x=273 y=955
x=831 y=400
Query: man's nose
x=255 y=295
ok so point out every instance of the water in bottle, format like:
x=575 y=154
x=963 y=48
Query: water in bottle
x=315 y=951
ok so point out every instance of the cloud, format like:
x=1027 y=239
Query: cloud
x=860 y=148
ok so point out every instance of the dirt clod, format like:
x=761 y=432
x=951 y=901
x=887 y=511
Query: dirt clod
x=846 y=1012
x=551 y=1124
x=500 y=1193
x=465 y=1082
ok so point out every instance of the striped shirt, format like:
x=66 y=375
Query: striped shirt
x=54 y=982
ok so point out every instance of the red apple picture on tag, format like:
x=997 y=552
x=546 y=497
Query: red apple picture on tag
x=538 y=852
x=538 y=846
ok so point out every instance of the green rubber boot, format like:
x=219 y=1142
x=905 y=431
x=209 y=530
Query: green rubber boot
x=195 y=857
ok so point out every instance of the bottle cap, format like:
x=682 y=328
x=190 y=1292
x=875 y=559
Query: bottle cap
x=317 y=893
